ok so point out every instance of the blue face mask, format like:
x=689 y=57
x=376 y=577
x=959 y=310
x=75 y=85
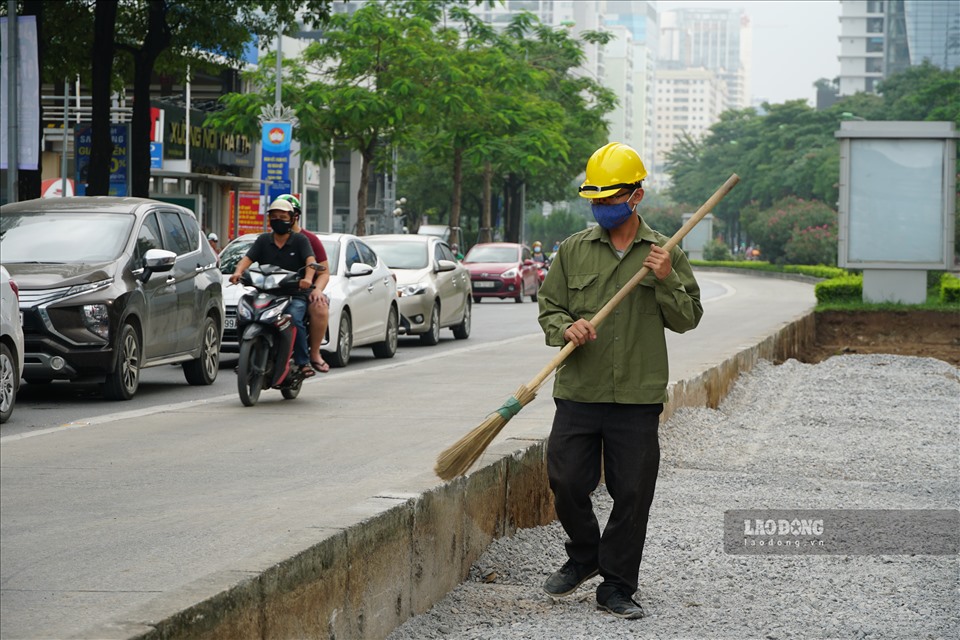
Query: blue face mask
x=610 y=216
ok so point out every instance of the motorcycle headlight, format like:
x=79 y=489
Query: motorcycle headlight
x=96 y=320
x=511 y=273
x=244 y=311
x=272 y=312
x=412 y=289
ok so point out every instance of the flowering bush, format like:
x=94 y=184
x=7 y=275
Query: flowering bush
x=813 y=245
x=773 y=229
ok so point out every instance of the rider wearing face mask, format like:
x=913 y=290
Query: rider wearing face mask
x=291 y=251
x=610 y=392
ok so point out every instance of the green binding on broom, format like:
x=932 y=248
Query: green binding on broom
x=510 y=408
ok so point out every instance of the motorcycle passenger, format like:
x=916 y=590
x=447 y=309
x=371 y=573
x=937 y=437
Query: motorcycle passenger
x=319 y=307
x=290 y=251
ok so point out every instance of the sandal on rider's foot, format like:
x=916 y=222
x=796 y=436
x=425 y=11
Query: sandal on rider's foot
x=320 y=365
x=307 y=371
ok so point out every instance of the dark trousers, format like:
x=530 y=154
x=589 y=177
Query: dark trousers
x=625 y=436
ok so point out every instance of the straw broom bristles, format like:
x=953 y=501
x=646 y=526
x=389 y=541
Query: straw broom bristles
x=458 y=458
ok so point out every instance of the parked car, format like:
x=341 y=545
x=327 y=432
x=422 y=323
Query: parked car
x=11 y=344
x=362 y=292
x=502 y=270
x=110 y=286
x=433 y=288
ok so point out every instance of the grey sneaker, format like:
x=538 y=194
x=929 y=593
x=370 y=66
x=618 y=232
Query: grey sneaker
x=621 y=606
x=567 y=578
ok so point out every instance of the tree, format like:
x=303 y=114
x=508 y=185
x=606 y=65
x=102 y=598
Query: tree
x=163 y=35
x=368 y=83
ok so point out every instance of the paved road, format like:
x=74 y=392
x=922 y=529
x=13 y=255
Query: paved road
x=154 y=505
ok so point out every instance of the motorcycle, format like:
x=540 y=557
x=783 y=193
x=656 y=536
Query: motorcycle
x=267 y=334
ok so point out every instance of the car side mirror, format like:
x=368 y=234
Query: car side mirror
x=359 y=269
x=157 y=261
x=446 y=265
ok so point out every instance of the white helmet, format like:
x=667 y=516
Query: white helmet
x=213 y=238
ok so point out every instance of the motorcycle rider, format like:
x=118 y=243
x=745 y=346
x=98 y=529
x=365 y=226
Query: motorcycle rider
x=538 y=253
x=290 y=251
x=319 y=307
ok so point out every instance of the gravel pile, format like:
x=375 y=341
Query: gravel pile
x=853 y=432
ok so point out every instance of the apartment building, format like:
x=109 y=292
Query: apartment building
x=687 y=101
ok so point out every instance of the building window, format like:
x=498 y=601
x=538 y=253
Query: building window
x=874 y=65
x=874 y=25
x=874 y=6
x=874 y=45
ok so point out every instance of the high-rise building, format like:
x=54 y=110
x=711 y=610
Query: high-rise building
x=879 y=38
x=715 y=39
x=639 y=19
x=688 y=102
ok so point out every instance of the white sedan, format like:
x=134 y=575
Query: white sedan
x=362 y=293
x=11 y=345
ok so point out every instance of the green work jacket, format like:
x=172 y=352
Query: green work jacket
x=627 y=363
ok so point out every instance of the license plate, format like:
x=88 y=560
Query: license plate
x=484 y=284
x=229 y=323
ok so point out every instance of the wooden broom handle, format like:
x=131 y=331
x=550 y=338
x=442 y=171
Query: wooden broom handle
x=635 y=280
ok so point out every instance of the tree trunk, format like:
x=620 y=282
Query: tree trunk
x=29 y=180
x=455 y=235
x=158 y=38
x=101 y=147
x=485 y=233
x=367 y=155
x=514 y=208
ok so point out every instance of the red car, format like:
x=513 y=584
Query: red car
x=502 y=270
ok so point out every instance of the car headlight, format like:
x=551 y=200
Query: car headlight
x=88 y=287
x=96 y=320
x=411 y=289
x=511 y=273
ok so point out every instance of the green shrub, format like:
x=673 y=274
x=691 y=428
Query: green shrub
x=817 y=271
x=716 y=250
x=949 y=289
x=842 y=289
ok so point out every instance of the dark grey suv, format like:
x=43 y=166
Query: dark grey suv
x=109 y=286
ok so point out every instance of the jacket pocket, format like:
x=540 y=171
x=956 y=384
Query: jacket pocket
x=584 y=293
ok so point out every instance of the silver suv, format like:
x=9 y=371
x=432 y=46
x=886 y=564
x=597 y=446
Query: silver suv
x=109 y=286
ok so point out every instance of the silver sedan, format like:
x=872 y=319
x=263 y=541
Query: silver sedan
x=433 y=287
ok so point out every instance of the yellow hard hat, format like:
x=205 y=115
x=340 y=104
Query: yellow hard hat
x=612 y=167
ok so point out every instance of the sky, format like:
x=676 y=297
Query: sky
x=795 y=42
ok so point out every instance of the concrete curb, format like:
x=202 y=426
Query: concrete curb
x=406 y=551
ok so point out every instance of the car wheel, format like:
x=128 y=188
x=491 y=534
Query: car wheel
x=9 y=377
x=462 y=330
x=122 y=384
x=388 y=348
x=432 y=336
x=251 y=368
x=203 y=370
x=341 y=356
